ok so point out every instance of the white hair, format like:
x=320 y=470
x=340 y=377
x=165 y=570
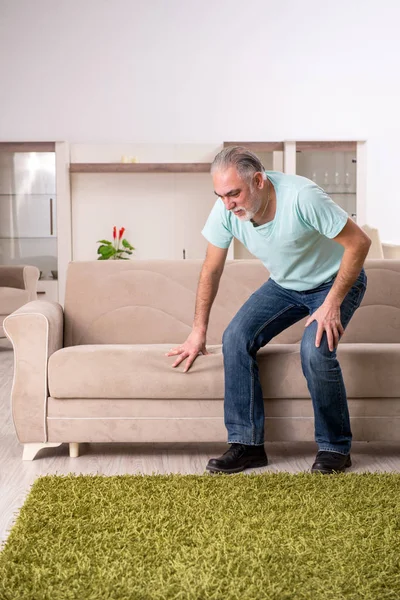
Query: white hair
x=245 y=162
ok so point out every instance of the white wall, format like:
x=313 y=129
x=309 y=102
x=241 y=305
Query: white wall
x=205 y=71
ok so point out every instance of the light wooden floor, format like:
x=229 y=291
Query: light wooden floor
x=16 y=476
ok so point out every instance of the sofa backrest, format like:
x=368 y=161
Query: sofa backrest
x=152 y=301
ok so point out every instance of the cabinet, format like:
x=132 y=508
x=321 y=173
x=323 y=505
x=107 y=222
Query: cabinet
x=164 y=205
x=339 y=167
x=28 y=205
x=171 y=167
x=333 y=166
x=272 y=156
x=28 y=216
x=27 y=195
x=47 y=290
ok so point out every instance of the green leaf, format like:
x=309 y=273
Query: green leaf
x=104 y=242
x=106 y=251
x=126 y=244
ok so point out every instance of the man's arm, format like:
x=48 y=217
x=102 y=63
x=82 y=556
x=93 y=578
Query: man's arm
x=207 y=288
x=356 y=244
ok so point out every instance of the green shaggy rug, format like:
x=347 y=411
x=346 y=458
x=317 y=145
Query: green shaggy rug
x=222 y=537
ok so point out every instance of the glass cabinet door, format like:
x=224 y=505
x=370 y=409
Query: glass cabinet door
x=28 y=210
x=332 y=166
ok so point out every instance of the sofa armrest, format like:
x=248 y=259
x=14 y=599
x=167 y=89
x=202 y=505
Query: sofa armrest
x=36 y=332
x=23 y=277
x=391 y=251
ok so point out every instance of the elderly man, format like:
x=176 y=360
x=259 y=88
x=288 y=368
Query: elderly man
x=315 y=254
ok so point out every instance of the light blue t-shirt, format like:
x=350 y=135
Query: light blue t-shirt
x=296 y=246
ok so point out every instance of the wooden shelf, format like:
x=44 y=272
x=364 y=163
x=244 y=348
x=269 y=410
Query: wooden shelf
x=27 y=146
x=327 y=146
x=258 y=146
x=139 y=167
x=300 y=146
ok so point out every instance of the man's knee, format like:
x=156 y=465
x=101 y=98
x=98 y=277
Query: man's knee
x=234 y=337
x=313 y=356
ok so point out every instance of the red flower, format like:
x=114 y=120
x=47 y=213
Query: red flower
x=114 y=232
x=121 y=232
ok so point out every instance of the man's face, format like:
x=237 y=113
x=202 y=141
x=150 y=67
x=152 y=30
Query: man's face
x=242 y=199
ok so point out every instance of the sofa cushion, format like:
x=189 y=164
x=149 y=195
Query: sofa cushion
x=143 y=371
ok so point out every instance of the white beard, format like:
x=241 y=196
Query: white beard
x=245 y=215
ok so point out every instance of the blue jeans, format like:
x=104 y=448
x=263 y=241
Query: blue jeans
x=267 y=312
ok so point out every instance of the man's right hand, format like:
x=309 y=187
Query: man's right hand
x=194 y=345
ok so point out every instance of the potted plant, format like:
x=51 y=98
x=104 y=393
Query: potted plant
x=113 y=250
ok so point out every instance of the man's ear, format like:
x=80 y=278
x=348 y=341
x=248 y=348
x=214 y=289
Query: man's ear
x=259 y=179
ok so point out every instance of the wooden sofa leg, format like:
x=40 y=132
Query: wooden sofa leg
x=30 y=450
x=74 y=450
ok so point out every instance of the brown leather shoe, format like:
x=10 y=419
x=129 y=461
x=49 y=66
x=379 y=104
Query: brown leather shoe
x=330 y=462
x=238 y=458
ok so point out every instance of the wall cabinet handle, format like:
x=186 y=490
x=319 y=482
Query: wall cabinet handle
x=51 y=216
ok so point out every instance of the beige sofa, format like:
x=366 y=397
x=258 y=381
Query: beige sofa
x=380 y=249
x=97 y=371
x=18 y=285
x=391 y=251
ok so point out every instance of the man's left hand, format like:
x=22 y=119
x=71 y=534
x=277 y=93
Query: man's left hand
x=328 y=319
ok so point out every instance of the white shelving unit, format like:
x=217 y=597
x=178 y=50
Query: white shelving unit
x=47 y=289
x=317 y=160
x=164 y=200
